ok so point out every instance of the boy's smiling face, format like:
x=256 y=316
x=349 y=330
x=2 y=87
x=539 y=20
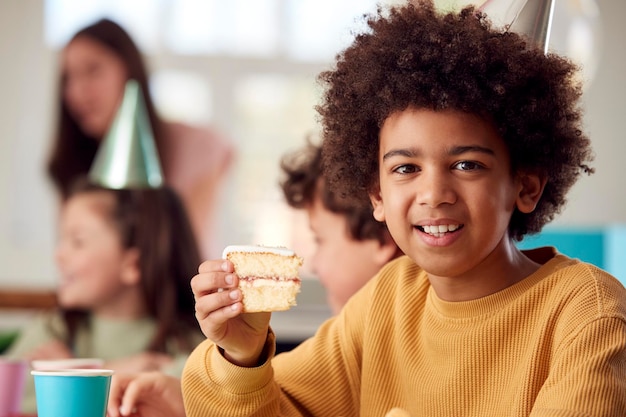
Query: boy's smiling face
x=447 y=195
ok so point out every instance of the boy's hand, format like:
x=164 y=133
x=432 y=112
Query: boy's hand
x=218 y=311
x=152 y=394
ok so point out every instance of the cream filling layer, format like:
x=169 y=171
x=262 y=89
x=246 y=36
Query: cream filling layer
x=264 y=282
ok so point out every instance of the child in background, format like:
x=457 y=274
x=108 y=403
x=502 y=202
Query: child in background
x=126 y=258
x=465 y=138
x=351 y=246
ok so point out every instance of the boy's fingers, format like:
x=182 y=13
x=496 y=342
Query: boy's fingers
x=210 y=303
x=216 y=265
x=210 y=282
x=118 y=385
x=132 y=393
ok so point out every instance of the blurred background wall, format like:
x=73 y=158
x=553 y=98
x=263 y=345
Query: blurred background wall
x=249 y=68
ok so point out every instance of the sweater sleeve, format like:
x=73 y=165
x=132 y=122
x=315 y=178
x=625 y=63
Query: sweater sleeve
x=588 y=372
x=212 y=386
x=588 y=377
x=288 y=385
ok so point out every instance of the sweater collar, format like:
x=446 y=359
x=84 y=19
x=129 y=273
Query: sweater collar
x=547 y=256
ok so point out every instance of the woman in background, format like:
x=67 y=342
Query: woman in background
x=126 y=258
x=95 y=65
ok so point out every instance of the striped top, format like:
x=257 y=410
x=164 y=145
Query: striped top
x=553 y=344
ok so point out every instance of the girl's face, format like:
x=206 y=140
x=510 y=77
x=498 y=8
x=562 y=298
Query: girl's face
x=342 y=264
x=96 y=271
x=447 y=195
x=93 y=84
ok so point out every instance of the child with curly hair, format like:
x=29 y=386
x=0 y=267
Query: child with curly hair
x=465 y=138
x=345 y=231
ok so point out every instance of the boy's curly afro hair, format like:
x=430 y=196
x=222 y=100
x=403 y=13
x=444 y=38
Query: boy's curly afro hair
x=416 y=57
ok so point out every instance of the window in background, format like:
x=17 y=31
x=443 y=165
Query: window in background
x=314 y=33
x=235 y=27
x=141 y=17
x=182 y=96
x=275 y=114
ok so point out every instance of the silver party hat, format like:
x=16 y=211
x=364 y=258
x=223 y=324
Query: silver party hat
x=531 y=18
x=127 y=156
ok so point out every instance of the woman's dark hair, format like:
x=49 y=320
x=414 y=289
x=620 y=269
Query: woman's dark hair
x=73 y=151
x=303 y=182
x=154 y=222
x=416 y=57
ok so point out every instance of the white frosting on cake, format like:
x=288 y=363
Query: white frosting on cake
x=278 y=250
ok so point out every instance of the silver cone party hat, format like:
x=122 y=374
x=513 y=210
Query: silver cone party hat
x=531 y=18
x=127 y=156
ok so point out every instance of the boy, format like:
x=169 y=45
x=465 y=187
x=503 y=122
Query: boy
x=464 y=138
x=345 y=231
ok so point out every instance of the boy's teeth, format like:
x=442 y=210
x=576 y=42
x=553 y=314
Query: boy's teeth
x=442 y=228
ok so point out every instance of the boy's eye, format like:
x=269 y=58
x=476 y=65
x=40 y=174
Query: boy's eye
x=405 y=169
x=467 y=166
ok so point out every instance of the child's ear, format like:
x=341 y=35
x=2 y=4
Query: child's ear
x=531 y=189
x=131 y=272
x=377 y=203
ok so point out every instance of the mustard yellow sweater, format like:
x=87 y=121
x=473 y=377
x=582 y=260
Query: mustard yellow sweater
x=553 y=344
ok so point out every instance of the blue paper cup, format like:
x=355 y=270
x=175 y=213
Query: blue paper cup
x=72 y=392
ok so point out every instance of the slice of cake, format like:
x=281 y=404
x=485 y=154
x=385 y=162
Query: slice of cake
x=268 y=276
